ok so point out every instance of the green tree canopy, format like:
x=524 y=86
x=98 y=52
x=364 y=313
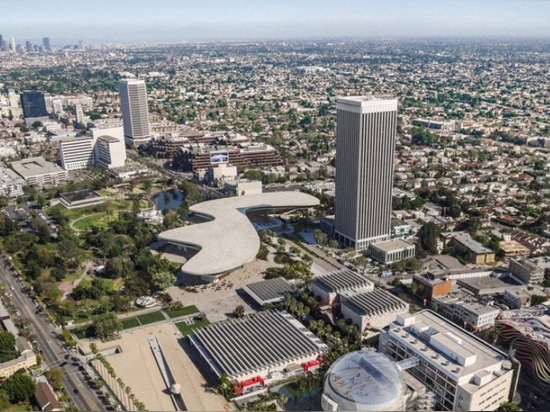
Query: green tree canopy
x=19 y=387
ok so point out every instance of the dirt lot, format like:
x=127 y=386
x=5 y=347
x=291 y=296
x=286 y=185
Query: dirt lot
x=138 y=369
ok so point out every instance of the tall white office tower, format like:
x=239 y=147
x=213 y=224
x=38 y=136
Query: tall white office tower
x=12 y=45
x=365 y=145
x=79 y=113
x=135 y=111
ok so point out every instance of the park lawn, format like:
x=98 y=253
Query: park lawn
x=151 y=317
x=100 y=220
x=188 y=310
x=130 y=323
x=187 y=329
x=19 y=407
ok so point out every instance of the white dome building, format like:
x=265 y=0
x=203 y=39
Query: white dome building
x=364 y=381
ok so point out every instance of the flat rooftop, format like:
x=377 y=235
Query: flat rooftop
x=229 y=240
x=256 y=342
x=108 y=139
x=431 y=336
x=392 y=245
x=342 y=280
x=35 y=166
x=270 y=290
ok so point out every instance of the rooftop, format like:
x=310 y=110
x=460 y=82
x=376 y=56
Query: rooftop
x=229 y=240
x=35 y=166
x=365 y=380
x=238 y=347
x=270 y=290
x=447 y=346
x=375 y=303
x=392 y=245
x=343 y=280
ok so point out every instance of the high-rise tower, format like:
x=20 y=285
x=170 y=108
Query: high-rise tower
x=135 y=112
x=33 y=104
x=46 y=44
x=365 y=146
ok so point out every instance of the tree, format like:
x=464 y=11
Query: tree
x=538 y=299
x=55 y=377
x=239 y=311
x=162 y=280
x=19 y=387
x=224 y=385
x=509 y=406
x=7 y=347
x=4 y=400
x=427 y=237
x=106 y=325
x=37 y=125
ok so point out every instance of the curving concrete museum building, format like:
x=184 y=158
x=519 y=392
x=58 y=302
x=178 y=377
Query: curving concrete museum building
x=229 y=240
x=529 y=331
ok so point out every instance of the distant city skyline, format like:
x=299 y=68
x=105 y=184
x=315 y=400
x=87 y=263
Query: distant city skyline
x=126 y=21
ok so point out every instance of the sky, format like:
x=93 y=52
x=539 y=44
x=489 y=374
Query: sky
x=127 y=21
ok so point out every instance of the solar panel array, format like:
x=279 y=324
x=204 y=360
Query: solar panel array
x=252 y=344
x=343 y=280
x=377 y=302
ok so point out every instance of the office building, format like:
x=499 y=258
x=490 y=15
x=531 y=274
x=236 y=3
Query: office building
x=102 y=147
x=1 y=43
x=76 y=152
x=46 y=44
x=12 y=45
x=110 y=152
x=33 y=104
x=39 y=173
x=135 y=111
x=365 y=145
x=79 y=113
x=28 y=47
x=464 y=372
x=391 y=251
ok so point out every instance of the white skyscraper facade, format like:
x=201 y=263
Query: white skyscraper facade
x=365 y=146
x=135 y=111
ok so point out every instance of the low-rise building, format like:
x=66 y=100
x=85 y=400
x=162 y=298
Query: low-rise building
x=373 y=310
x=258 y=349
x=11 y=184
x=40 y=173
x=470 y=249
x=430 y=286
x=475 y=315
x=521 y=297
x=391 y=251
x=526 y=271
x=330 y=287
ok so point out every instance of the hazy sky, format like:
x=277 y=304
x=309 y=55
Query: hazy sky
x=180 y=20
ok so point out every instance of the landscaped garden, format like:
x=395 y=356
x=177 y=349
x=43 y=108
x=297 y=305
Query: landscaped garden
x=187 y=310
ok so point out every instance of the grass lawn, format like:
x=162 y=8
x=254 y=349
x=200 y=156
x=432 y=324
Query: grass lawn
x=187 y=329
x=100 y=220
x=188 y=310
x=130 y=323
x=150 y=317
x=19 y=407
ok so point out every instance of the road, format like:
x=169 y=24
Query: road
x=53 y=354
